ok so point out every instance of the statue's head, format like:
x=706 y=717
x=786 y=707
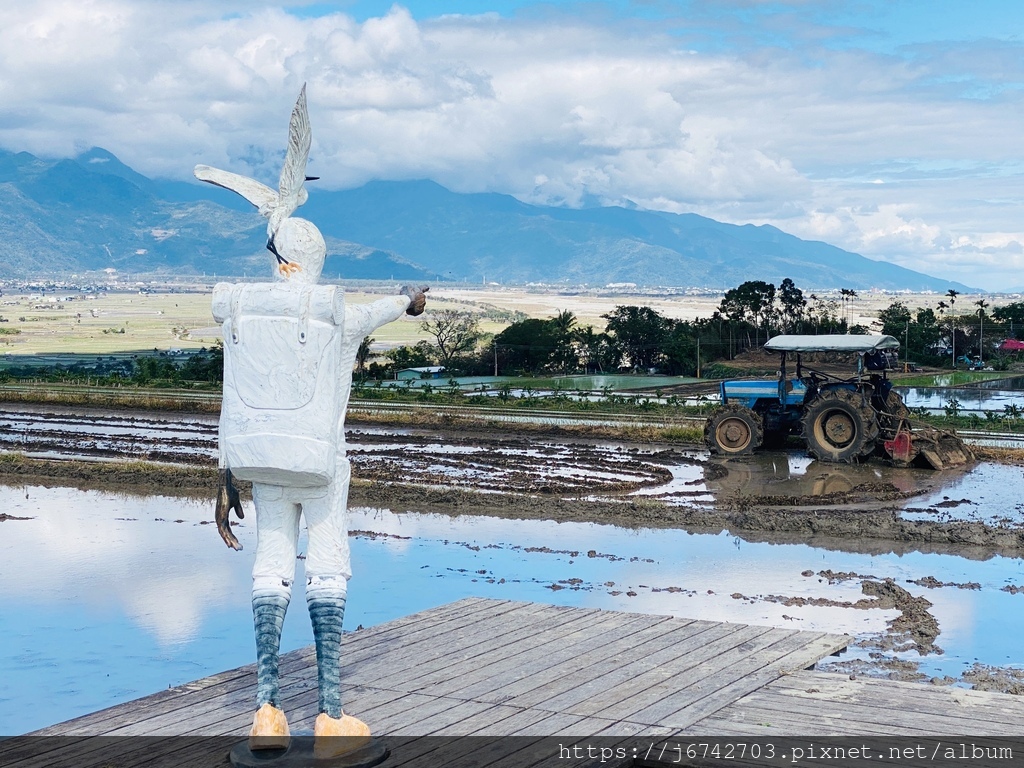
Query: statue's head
x=302 y=246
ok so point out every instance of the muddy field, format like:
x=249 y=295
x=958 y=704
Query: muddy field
x=776 y=497
x=781 y=494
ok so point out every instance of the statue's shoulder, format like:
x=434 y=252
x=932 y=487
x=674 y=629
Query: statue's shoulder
x=281 y=299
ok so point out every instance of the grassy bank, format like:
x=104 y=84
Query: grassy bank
x=952 y=378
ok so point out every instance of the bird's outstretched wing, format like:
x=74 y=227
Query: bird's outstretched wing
x=260 y=195
x=293 y=174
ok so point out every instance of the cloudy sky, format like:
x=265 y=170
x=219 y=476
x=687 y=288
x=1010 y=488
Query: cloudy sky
x=888 y=128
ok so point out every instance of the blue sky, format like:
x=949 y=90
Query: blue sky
x=892 y=129
x=878 y=25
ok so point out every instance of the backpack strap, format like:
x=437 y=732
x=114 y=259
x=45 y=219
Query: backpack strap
x=236 y=313
x=305 y=298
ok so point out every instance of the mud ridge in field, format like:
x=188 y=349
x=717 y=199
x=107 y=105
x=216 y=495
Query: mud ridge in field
x=914 y=629
x=850 y=529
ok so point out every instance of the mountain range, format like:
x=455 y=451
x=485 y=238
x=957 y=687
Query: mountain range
x=93 y=212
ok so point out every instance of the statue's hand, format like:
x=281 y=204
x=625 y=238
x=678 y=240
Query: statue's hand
x=418 y=299
x=227 y=500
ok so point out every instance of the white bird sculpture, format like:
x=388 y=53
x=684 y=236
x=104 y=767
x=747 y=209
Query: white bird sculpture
x=301 y=242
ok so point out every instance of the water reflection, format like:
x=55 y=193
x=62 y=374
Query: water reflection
x=988 y=493
x=780 y=473
x=112 y=597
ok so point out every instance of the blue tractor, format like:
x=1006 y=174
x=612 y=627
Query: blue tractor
x=839 y=419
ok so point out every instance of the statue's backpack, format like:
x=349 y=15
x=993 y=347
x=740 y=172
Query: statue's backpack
x=280 y=414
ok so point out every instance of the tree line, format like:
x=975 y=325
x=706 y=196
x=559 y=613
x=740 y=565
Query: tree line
x=634 y=337
x=641 y=339
x=934 y=335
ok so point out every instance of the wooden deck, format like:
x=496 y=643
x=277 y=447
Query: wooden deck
x=497 y=668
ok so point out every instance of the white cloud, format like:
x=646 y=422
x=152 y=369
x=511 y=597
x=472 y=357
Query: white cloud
x=898 y=157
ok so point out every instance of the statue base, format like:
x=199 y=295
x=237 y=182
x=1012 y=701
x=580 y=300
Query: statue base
x=299 y=754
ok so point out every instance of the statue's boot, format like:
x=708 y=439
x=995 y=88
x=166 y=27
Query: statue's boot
x=337 y=736
x=269 y=605
x=269 y=729
x=335 y=732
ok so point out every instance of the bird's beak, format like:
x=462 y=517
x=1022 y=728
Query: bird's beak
x=312 y=178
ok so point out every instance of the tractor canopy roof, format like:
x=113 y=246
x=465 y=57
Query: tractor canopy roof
x=831 y=343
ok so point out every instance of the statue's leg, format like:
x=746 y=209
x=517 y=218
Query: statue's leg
x=277 y=531
x=328 y=569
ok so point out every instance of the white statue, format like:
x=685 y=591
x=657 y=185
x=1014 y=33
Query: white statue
x=289 y=350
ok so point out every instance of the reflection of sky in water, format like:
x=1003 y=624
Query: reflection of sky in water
x=107 y=598
x=992 y=493
x=935 y=398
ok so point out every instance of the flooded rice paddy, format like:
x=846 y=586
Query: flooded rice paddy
x=113 y=595
x=978 y=396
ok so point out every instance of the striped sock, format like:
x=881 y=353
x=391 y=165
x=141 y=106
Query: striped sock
x=326 y=612
x=268 y=610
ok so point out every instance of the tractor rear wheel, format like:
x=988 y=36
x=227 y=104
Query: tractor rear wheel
x=733 y=430
x=894 y=404
x=840 y=427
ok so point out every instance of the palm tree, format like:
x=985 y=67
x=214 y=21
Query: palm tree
x=942 y=307
x=363 y=353
x=952 y=294
x=981 y=304
x=847 y=296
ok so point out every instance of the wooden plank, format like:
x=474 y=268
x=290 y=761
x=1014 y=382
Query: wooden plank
x=128 y=716
x=441 y=666
x=377 y=707
x=112 y=752
x=499 y=668
x=356 y=700
x=757 y=721
x=622 y=701
x=399 y=646
x=449 y=714
x=745 y=676
x=436 y=646
x=902 y=709
x=539 y=677
x=739 y=671
x=718 y=678
x=654 y=654
x=94 y=722
x=479 y=753
x=479 y=723
x=689 y=651
x=529 y=755
x=891 y=695
x=298 y=668
x=497 y=722
x=503 y=657
x=640 y=643
x=516 y=724
x=432 y=618
x=863 y=717
x=242 y=677
x=491 y=643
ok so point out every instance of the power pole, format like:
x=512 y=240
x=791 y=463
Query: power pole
x=906 y=348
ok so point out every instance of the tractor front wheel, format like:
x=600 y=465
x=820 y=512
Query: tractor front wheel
x=733 y=430
x=837 y=428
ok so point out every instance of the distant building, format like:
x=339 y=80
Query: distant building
x=426 y=372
